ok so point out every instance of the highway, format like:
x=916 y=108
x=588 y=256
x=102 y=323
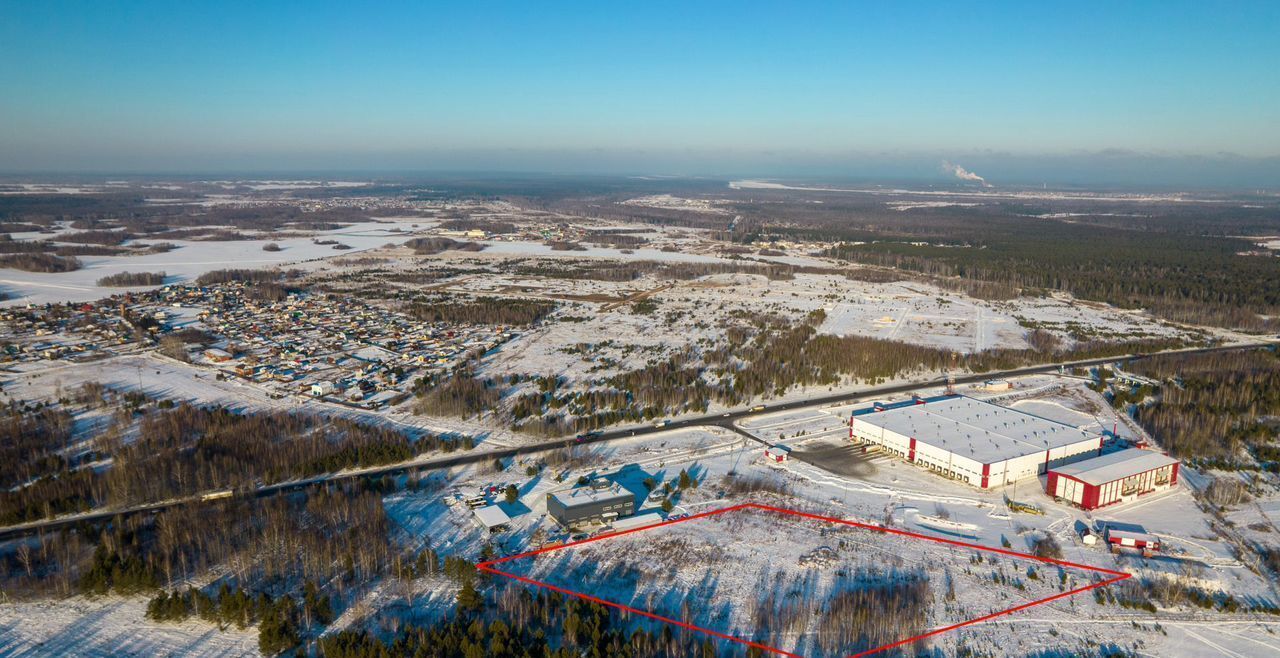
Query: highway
x=449 y=461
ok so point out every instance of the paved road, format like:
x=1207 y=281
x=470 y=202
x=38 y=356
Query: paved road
x=723 y=420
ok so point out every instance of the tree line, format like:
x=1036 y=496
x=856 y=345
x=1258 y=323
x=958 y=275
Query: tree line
x=279 y=620
x=125 y=279
x=1203 y=280
x=431 y=246
x=521 y=623
x=1220 y=409
x=187 y=450
x=480 y=310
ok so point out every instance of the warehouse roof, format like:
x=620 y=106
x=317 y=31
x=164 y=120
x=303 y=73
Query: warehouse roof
x=978 y=430
x=584 y=495
x=1115 y=466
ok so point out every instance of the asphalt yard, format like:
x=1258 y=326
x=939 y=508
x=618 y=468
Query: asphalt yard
x=837 y=456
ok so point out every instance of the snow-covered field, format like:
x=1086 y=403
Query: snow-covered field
x=692 y=312
x=195 y=257
x=164 y=378
x=734 y=571
x=542 y=250
x=670 y=202
x=112 y=627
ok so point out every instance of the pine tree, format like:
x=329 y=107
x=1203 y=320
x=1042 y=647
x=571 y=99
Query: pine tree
x=469 y=600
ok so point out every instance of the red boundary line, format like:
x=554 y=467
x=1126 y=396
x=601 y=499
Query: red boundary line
x=1116 y=575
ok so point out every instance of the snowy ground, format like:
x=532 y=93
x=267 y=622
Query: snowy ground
x=891 y=490
x=713 y=571
x=717 y=457
x=695 y=312
x=875 y=489
x=195 y=257
x=110 y=627
x=164 y=378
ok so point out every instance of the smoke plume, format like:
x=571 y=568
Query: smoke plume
x=963 y=174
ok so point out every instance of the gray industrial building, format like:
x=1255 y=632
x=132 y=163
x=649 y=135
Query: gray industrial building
x=600 y=501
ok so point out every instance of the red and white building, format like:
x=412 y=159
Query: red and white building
x=778 y=453
x=1143 y=541
x=973 y=441
x=1115 y=478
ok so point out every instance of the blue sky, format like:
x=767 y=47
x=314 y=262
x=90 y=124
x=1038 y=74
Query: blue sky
x=688 y=87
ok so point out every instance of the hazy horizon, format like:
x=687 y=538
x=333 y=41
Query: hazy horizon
x=1148 y=94
x=1129 y=171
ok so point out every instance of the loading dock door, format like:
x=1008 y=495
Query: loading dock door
x=1069 y=489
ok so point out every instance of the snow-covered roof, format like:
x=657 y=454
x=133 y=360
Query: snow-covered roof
x=1144 y=537
x=1115 y=466
x=383 y=396
x=639 y=521
x=980 y=430
x=582 y=495
x=492 y=516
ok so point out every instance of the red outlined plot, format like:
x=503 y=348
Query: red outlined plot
x=1115 y=576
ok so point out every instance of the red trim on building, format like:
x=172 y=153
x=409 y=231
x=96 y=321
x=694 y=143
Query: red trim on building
x=986 y=475
x=911 y=451
x=1093 y=492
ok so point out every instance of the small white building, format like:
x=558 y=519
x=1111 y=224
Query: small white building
x=778 y=453
x=321 y=389
x=492 y=518
x=1137 y=539
x=637 y=522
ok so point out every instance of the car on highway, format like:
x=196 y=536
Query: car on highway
x=662 y=423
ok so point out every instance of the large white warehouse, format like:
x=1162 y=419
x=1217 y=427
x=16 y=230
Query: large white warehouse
x=977 y=442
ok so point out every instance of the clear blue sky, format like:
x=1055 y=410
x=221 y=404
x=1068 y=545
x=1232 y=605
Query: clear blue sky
x=699 y=87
